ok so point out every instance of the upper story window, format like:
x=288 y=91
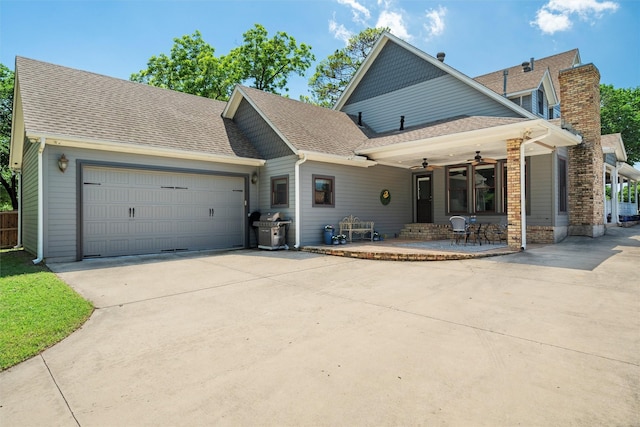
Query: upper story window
x=540 y=101
x=323 y=191
x=280 y=192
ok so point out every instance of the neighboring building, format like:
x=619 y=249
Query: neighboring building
x=150 y=170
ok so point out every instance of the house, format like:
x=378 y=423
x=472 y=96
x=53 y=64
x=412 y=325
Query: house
x=110 y=167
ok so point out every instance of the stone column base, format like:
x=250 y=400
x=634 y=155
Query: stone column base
x=596 y=230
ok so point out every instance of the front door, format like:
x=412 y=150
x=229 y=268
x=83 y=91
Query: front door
x=423 y=199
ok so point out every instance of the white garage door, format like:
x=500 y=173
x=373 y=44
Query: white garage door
x=129 y=212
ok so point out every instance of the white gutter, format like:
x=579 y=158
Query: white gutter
x=40 y=249
x=19 y=197
x=297 y=195
x=359 y=161
x=148 y=150
x=523 y=201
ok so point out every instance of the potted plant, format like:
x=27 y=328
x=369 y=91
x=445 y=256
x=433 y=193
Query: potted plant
x=376 y=236
x=335 y=239
x=343 y=239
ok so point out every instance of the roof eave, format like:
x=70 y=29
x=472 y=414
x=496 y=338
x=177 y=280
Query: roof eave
x=128 y=148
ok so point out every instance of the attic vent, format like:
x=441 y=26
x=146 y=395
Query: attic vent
x=440 y=56
x=527 y=66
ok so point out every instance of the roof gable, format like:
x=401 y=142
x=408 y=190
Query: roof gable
x=304 y=127
x=431 y=63
x=520 y=81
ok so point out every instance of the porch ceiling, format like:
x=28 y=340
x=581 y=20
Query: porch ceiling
x=541 y=137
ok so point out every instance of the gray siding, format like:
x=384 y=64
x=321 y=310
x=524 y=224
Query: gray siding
x=394 y=68
x=62 y=222
x=284 y=166
x=29 y=191
x=357 y=192
x=435 y=99
x=261 y=135
x=611 y=159
x=542 y=200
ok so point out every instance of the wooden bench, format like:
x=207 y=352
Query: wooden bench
x=353 y=225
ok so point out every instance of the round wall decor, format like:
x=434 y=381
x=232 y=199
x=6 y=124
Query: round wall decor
x=385 y=197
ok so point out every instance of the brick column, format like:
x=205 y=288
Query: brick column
x=580 y=109
x=514 y=191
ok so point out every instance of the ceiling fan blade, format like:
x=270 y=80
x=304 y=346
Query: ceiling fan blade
x=492 y=161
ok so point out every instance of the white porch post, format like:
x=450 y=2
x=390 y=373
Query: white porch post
x=614 y=195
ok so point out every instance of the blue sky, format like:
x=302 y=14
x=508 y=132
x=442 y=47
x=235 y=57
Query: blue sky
x=116 y=38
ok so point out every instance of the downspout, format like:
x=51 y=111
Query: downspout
x=297 y=194
x=40 y=250
x=19 y=197
x=523 y=199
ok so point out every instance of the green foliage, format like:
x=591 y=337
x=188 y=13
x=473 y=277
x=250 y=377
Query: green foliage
x=37 y=309
x=192 y=67
x=268 y=62
x=334 y=73
x=620 y=113
x=8 y=191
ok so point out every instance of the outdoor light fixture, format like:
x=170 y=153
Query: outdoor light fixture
x=63 y=162
x=254 y=178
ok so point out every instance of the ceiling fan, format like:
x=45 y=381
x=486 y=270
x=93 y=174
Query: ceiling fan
x=426 y=166
x=479 y=160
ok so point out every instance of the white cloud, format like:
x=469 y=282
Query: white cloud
x=551 y=23
x=556 y=14
x=395 y=22
x=360 y=13
x=339 y=31
x=435 y=21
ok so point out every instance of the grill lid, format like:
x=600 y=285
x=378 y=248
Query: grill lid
x=270 y=216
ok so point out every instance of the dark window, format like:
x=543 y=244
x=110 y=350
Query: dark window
x=484 y=178
x=562 y=184
x=323 y=188
x=550 y=113
x=540 y=101
x=458 y=189
x=280 y=192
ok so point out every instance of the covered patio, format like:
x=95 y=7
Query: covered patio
x=463 y=145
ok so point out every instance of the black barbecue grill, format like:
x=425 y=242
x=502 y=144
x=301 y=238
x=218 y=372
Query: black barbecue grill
x=272 y=231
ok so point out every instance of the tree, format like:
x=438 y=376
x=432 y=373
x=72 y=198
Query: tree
x=7 y=177
x=334 y=73
x=268 y=62
x=191 y=68
x=620 y=113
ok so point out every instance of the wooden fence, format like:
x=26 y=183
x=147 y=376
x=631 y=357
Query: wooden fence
x=8 y=229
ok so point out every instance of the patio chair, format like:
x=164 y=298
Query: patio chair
x=459 y=229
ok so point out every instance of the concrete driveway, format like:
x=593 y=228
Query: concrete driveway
x=546 y=337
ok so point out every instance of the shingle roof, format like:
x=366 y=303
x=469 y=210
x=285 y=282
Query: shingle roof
x=449 y=126
x=518 y=80
x=308 y=127
x=67 y=102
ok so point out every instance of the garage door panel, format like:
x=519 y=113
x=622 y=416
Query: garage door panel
x=135 y=212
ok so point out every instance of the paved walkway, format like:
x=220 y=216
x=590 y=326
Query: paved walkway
x=550 y=336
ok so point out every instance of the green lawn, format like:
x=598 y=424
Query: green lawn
x=37 y=309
